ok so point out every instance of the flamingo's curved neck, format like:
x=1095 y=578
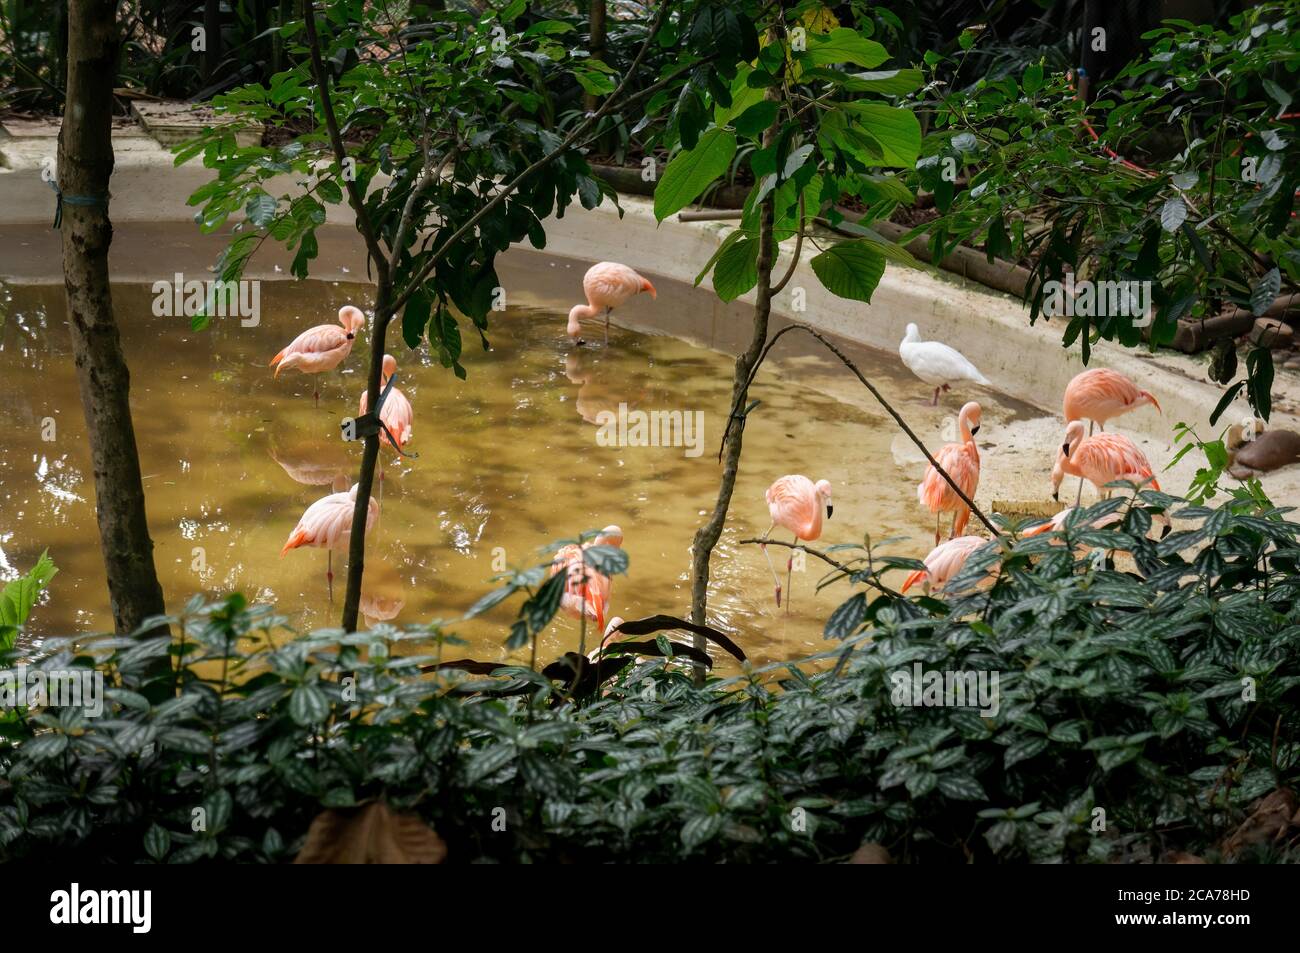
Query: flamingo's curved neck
x=1068 y=464
x=577 y=314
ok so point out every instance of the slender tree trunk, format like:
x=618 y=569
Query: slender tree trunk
x=369 y=457
x=211 y=38
x=1091 y=60
x=85 y=166
x=597 y=50
x=707 y=536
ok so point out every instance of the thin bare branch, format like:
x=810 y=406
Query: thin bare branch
x=736 y=415
x=842 y=567
x=355 y=198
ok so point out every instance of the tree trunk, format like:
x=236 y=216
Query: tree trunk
x=85 y=166
x=369 y=457
x=211 y=39
x=597 y=47
x=706 y=537
x=1091 y=60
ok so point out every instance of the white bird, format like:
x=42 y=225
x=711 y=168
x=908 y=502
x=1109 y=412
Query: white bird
x=936 y=363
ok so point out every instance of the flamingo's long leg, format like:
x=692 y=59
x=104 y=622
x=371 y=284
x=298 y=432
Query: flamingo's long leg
x=607 y=310
x=936 y=528
x=789 y=584
x=329 y=573
x=1079 y=493
x=775 y=578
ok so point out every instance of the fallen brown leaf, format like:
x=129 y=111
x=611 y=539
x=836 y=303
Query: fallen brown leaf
x=1181 y=857
x=372 y=834
x=871 y=853
x=1269 y=821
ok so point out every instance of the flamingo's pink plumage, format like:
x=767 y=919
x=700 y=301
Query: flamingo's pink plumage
x=586 y=591
x=796 y=503
x=945 y=561
x=1099 y=394
x=962 y=462
x=327 y=523
x=396 y=413
x=607 y=284
x=323 y=347
x=1057 y=523
x=1100 y=459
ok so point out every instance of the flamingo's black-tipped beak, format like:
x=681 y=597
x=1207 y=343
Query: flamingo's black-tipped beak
x=974 y=430
x=351 y=336
x=1056 y=495
x=829 y=510
x=1065 y=449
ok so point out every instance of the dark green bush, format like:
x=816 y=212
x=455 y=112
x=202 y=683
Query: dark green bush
x=1119 y=691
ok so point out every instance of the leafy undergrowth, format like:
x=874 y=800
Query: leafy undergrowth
x=1138 y=717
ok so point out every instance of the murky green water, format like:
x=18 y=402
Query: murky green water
x=509 y=460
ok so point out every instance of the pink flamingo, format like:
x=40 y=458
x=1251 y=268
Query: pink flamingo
x=795 y=503
x=321 y=348
x=327 y=524
x=611 y=630
x=945 y=561
x=1057 y=523
x=607 y=284
x=1099 y=394
x=396 y=413
x=586 y=591
x=962 y=463
x=1100 y=459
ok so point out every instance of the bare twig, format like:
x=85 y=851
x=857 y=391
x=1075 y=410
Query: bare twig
x=842 y=567
x=355 y=198
x=798 y=250
x=736 y=415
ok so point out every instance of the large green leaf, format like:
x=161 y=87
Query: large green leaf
x=260 y=209
x=19 y=595
x=415 y=317
x=737 y=269
x=892 y=82
x=743 y=96
x=843 y=45
x=1265 y=291
x=850 y=269
x=691 y=172
x=897 y=131
x=727 y=242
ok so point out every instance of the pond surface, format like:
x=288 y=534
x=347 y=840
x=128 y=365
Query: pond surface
x=509 y=459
